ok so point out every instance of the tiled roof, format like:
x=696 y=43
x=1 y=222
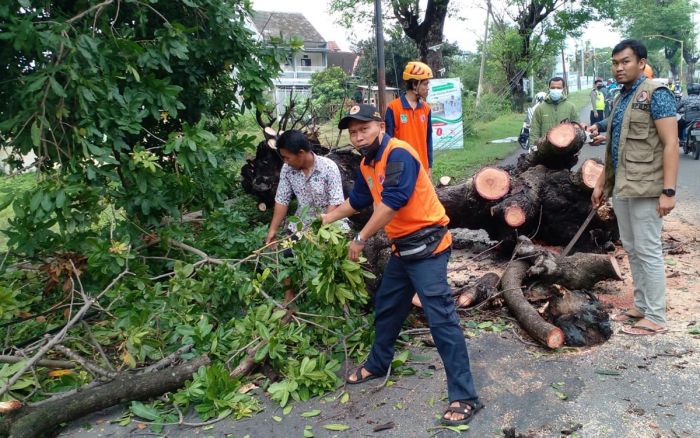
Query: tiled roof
x=286 y=24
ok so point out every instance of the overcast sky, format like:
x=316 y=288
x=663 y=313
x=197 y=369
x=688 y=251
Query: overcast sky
x=465 y=30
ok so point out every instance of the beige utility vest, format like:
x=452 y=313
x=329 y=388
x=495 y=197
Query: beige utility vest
x=640 y=166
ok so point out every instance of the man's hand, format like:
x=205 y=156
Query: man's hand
x=270 y=238
x=598 y=139
x=665 y=205
x=593 y=129
x=355 y=250
x=597 y=197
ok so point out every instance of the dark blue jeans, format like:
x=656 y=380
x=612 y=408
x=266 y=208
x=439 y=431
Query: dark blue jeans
x=393 y=303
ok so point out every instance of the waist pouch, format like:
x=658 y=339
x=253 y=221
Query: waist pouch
x=420 y=244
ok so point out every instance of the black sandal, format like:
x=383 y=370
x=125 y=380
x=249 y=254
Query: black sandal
x=466 y=408
x=358 y=377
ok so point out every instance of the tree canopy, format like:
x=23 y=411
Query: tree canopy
x=122 y=102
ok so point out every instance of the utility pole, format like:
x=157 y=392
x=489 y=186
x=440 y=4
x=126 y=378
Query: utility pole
x=583 y=65
x=381 y=69
x=578 y=67
x=563 y=69
x=483 y=54
x=594 y=63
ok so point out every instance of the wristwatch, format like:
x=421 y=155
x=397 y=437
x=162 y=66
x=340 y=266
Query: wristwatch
x=359 y=239
x=669 y=192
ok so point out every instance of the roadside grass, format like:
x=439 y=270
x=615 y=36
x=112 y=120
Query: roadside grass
x=477 y=151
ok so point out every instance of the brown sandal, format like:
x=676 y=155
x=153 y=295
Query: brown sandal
x=625 y=315
x=358 y=376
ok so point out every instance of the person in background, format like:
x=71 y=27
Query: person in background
x=690 y=108
x=671 y=86
x=554 y=110
x=315 y=181
x=393 y=180
x=598 y=96
x=408 y=116
x=641 y=167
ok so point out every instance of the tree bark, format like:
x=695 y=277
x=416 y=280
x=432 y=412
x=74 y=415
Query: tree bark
x=527 y=316
x=426 y=33
x=40 y=421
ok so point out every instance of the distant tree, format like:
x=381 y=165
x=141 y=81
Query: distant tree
x=671 y=18
x=529 y=32
x=328 y=89
x=398 y=51
x=424 y=26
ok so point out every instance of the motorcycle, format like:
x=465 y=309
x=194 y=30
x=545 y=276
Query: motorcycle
x=691 y=144
x=524 y=137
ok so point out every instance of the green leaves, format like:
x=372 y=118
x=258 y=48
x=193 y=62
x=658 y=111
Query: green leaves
x=336 y=427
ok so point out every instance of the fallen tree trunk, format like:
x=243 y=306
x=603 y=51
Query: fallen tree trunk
x=41 y=421
x=557 y=150
x=578 y=271
x=527 y=316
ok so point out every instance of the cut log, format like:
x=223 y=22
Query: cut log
x=557 y=150
x=578 y=271
x=41 y=421
x=492 y=183
x=581 y=271
x=522 y=205
x=527 y=316
x=269 y=132
x=486 y=287
x=587 y=175
x=272 y=143
x=564 y=138
x=262 y=206
x=445 y=180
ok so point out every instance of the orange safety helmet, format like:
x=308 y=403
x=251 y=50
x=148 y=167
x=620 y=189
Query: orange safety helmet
x=648 y=72
x=417 y=70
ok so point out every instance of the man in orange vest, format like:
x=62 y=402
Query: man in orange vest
x=408 y=117
x=407 y=207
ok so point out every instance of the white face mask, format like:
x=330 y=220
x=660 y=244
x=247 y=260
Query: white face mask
x=555 y=94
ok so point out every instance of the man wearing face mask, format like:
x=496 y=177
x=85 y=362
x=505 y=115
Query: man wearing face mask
x=599 y=95
x=554 y=110
x=393 y=179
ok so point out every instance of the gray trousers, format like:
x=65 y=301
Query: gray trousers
x=640 y=232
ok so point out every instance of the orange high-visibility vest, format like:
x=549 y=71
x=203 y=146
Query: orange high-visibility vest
x=423 y=208
x=411 y=126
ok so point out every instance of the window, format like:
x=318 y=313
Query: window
x=305 y=61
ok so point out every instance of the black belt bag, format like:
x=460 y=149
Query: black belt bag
x=420 y=244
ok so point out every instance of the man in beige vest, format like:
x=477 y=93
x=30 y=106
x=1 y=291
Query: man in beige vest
x=641 y=166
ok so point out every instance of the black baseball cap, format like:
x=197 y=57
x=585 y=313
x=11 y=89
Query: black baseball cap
x=361 y=112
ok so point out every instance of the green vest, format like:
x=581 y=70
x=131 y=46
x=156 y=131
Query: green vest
x=640 y=166
x=599 y=100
